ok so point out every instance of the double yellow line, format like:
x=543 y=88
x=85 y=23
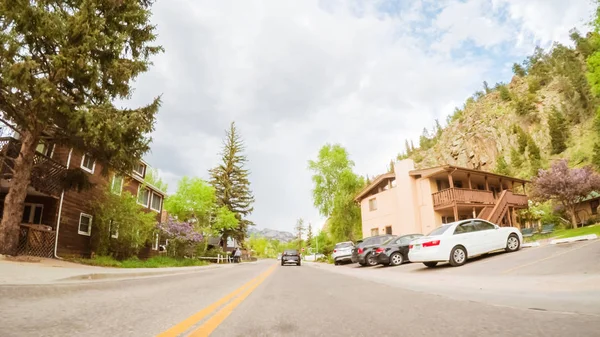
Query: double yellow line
x=214 y=321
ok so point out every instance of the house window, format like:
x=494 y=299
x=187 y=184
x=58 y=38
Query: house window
x=480 y=187
x=139 y=169
x=594 y=204
x=374 y=231
x=388 y=230
x=372 y=204
x=143 y=196
x=32 y=214
x=114 y=230
x=45 y=149
x=88 y=163
x=155 y=242
x=85 y=224
x=458 y=184
x=156 y=202
x=117 y=184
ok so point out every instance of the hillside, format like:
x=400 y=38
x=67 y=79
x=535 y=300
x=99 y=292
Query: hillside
x=271 y=234
x=547 y=111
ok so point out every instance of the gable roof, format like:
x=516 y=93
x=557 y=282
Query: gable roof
x=376 y=182
x=428 y=172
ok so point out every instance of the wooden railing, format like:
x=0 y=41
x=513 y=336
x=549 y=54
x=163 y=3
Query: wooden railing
x=517 y=199
x=462 y=195
x=47 y=175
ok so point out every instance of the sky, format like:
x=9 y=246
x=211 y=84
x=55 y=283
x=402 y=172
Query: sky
x=295 y=75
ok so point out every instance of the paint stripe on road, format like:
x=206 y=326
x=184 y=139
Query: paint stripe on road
x=547 y=258
x=189 y=322
x=212 y=323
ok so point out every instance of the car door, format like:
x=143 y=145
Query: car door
x=486 y=235
x=402 y=245
x=466 y=234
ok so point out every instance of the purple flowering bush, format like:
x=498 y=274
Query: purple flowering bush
x=183 y=237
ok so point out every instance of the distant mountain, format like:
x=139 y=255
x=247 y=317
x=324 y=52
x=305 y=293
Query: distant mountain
x=271 y=234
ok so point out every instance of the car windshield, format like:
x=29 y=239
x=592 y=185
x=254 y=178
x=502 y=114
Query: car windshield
x=343 y=245
x=389 y=240
x=291 y=252
x=439 y=230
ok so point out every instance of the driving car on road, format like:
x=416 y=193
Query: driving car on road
x=458 y=241
x=342 y=252
x=290 y=256
x=363 y=253
x=394 y=252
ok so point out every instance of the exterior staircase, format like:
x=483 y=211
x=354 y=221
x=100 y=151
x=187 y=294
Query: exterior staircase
x=505 y=200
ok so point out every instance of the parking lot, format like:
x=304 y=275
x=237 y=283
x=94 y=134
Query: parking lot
x=564 y=278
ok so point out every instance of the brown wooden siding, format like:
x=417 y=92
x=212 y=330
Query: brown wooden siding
x=50 y=207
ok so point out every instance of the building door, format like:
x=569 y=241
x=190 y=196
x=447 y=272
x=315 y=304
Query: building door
x=388 y=230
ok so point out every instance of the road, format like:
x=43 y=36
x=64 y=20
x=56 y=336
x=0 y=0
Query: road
x=311 y=300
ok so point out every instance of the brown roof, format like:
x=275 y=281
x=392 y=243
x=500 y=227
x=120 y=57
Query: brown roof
x=428 y=172
x=378 y=180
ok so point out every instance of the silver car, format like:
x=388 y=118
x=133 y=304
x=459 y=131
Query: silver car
x=342 y=252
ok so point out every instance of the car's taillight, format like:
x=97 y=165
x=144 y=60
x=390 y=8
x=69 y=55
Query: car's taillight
x=379 y=250
x=335 y=250
x=410 y=246
x=431 y=243
x=360 y=250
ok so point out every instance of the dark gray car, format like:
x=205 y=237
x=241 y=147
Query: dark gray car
x=363 y=253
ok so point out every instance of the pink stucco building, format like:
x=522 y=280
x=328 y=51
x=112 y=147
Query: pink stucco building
x=410 y=201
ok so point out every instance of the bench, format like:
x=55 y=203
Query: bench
x=547 y=229
x=527 y=232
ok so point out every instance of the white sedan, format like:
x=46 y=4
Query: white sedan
x=456 y=242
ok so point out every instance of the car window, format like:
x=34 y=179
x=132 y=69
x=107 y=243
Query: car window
x=291 y=252
x=483 y=226
x=405 y=240
x=343 y=245
x=439 y=231
x=466 y=227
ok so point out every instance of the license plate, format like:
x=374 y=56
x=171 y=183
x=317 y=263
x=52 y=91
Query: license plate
x=417 y=247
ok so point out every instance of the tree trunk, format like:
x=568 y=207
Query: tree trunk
x=573 y=217
x=13 y=204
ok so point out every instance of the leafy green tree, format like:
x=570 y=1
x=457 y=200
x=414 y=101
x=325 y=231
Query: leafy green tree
x=518 y=70
x=153 y=178
x=502 y=167
x=230 y=180
x=121 y=227
x=504 y=93
x=558 y=131
x=335 y=185
x=63 y=65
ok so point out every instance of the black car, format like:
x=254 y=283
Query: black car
x=290 y=256
x=394 y=252
x=364 y=251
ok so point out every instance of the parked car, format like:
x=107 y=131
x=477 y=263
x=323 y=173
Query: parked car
x=342 y=252
x=290 y=256
x=394 y=252
x=458 y=241
x=364 y=251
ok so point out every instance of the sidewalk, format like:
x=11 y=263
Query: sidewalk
x=51 y=271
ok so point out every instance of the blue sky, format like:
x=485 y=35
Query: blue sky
x=295 y=75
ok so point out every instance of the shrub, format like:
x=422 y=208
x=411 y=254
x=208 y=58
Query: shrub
x=183 y=237
x=533 y=85
x=504 y=93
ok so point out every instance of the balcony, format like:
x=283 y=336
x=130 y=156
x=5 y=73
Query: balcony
x=450 y=196
x=47 y=175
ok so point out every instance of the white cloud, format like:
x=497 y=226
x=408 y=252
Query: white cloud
x=296 y=74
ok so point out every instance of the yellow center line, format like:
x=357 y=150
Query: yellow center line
x=546 y=258
x=212 y=323
x=183 y=326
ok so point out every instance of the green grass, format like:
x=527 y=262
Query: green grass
x=567 y=233
x=153 y=262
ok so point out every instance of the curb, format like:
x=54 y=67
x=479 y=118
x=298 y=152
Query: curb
x=531 y=244
x=576 y=238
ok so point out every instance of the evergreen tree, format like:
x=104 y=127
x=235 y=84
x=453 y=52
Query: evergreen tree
x=502 y=166
x=309 y=235
x=558 y=131
x=412 y=147
x=391 y=167
x=518 y=70
x=486 y=87
x=516 y=159
x=596 y=155
x=63 y=65
x=299 y=231
x=407 y=146
x=232 y=187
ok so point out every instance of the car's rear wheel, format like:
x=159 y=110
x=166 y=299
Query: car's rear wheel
x=512 y=243
x=371 y=261
x=335 y=262
x=430 y=264
x=458 y=256
x=396 y=259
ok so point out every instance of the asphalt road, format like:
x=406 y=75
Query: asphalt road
x=311 y=300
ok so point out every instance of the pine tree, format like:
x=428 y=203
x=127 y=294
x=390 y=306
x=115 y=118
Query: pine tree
x=502 y=167
x=232 y=187
x=299 y=231
x=486 y=87
x=518 y=70
x=412 y=146
x=516 y=159
x=63 y=67
x=309 y=235
x=408 y=148
x=596 y=155
x=558 y=131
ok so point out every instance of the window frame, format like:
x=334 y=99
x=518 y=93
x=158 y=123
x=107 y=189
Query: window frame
x=140 y=174
x=89 y=232
x=86 y=168
x=32 y=213
x=112 y=184
x=147 y=199
x=475 y=222
x=376 y=230
x=152 y=199
x=372 y=204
